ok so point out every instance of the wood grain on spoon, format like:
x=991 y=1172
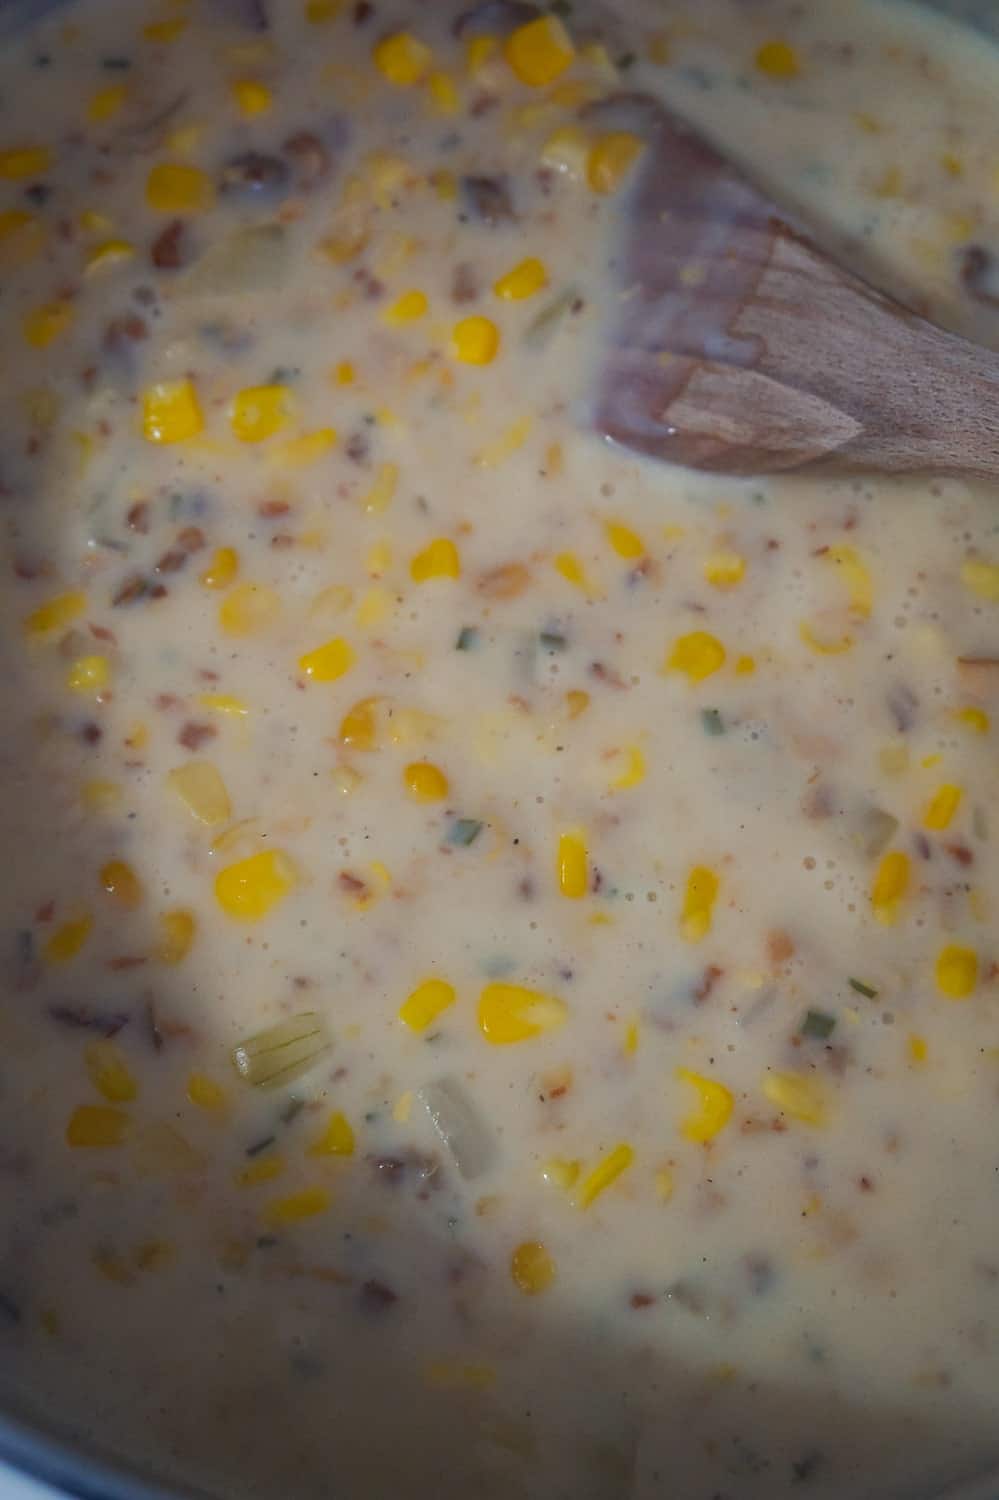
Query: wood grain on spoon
x=740 y=348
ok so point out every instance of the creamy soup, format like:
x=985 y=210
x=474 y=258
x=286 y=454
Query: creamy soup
x=500 y=993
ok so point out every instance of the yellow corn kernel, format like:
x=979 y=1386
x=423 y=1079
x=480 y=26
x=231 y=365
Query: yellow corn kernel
x=358 y=727
x=424 y=782
x=975 y=719
x=633 y=773
x=259 y=411
x=171 y=412
x=611 y=158
x=823 y=645
x=403 y=59
x=163 y=32
x=716 y=1103
x=110 y=253
x=109 y=1072
x=956 y=971
x=745 y=666
x=172 y=188
x=13 y=221
x=889 y=886
x=981 y=578
x=222 y=567
x=106 y=103
x=251 y=888
x=893 y=758
x=567 y=150
x=56 y=613
x=444 y=93
x=429 y=1000
x=99 y=795
x=251 y=97
x=249 y=608
x=523 y=281
x=336 y=1140
x=318 y=12
x=137 y=737
x=724 y=570
x=185 y=139
x=47 y=323
x=858 y=579
x=200 y=787
x=96 y=1126
x=558 y=1172
x=917 y=1049
x=576 y=702
x=606 y=1172
x=532 y=1268
x=511 y=1013
x=90 y=675
x=176 y=936
x=24 y=161
x=378 y=559
x=328 y=662
x=572 y=868
x=625 y=542
x=568 y=565
x=121 y=883
x=778 y=59
x=795 y=1095
x=381 y=493
x=263 y=1168
x=204 y=1093
x=67 y=940
x=303 y=451
x=539 y=51
x=408 y=308
x=631 y=1038
x=928 y=761
x=298 y=1206
x=697 y=655
x=475 y=340
x=345 y=374
x=478 y=51
x=698 y=903
x=939 y=811
x=347 y=780
x=439 y=559
x=664 y=1184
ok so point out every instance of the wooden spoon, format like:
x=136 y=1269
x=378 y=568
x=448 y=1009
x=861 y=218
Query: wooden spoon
x=740 y=348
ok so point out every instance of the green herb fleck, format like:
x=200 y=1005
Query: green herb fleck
x=866 y=990
x=818 y=1023
x=626 y=60
x=712 y=721
x=553 y=640
x=468 y=638
x=464 y=831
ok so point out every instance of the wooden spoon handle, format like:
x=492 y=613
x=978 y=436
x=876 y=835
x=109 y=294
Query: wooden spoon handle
x=741 y=348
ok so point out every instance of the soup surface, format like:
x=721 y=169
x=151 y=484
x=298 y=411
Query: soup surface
x=500 y=992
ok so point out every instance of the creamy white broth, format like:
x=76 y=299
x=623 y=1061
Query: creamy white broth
x=792 y=1282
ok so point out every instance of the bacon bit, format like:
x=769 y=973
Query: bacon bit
x=978 y=675
x=310 y=158
x=376 y=1296
x=102 y=633
x=961 y=853
x=464 y=283
x=780 y=947
x=137 y=518
x=122 y=332
x=169 y=250
x=163 y=702
x=172 y=561
x=363 y=11
x=357 y=447
x=352 y=884
x=282 y=541
x=191 y=538
x=641 y=1299
x=82 y=1018
x=508 y=581
x=192 y=736
x=30 y=570
x=865 y=1185
x=135 y=588
x=707 y=982
x=607 y=675
x=125 y=961
x=269 y=510
x=923 y=846
x=369 y=284
x=91 y=734
x=45 y=912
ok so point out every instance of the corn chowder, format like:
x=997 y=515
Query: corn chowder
x=500 y=985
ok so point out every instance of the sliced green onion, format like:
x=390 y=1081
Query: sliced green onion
x=468 y=638
x=818 y=1023
x=283 y=1052
x=711 y=721
x=866 y=990
x=464 y=831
